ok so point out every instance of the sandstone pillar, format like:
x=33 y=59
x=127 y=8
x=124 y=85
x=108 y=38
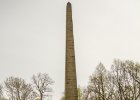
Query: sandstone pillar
x=70 y=67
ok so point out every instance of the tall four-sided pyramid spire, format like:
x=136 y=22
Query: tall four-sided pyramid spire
x=70 y=67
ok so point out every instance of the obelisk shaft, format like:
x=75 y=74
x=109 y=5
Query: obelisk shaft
x=70 y=74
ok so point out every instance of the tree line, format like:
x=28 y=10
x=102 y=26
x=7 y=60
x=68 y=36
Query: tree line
x=122 y=82
x=16 y=88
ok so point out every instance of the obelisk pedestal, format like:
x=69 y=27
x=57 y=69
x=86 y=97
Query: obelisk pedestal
x=70 y=67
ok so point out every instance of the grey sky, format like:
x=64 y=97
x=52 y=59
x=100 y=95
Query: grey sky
x=32 y=37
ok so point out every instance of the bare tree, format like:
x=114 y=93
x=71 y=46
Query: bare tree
x=126 y=75
x=2 y=94
x=120 y=79
x=100 y=87
x=121 y=83
x=17 y=89
x=1 y=91
x=133 y=70
x=42 y=83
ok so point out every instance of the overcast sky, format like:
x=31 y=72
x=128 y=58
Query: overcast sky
x=32 y=37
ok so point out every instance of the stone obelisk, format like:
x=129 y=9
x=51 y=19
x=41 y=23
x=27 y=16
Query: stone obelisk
x=70 y=67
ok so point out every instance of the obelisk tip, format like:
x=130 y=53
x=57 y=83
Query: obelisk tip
x=68 y=3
